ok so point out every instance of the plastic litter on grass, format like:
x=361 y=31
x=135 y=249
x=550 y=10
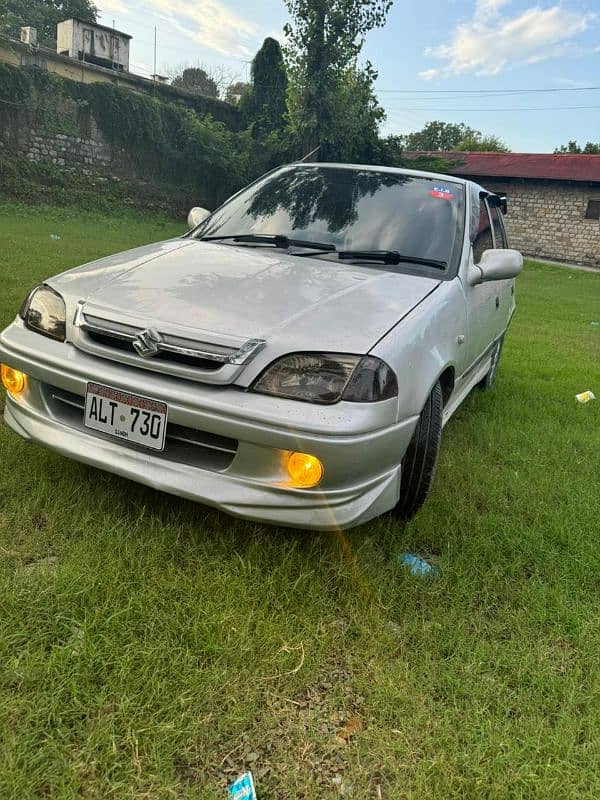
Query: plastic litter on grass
x=417 y=566
x=55 y=237
x=585 y=397
x=242 y=788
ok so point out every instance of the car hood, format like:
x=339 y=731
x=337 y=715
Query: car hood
x=238 y=292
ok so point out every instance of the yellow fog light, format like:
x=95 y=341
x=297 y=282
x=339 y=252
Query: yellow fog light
x=304 y=470
x=12 y=380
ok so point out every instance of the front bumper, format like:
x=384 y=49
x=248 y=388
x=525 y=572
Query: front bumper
x=361 y=445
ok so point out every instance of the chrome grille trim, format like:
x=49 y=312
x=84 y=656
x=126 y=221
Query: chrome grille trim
x=169 y=343
x=186 y=440
x=116 y=329
x=69 y=400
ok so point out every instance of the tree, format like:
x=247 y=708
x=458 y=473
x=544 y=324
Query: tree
x=235 y=92
x=205 y=80
x=325 y=39
x=196 y=80
x=44 y=15
x=391 y=153
x=267 y=102
x=358 y=116
x=591 y=148
x=483 y=144
x=438 y=135
x=445 y=136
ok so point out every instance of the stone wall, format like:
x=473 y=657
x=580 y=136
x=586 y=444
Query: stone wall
x=84 y=154
x=67 y=138
x=64 y=135
x=547 y=219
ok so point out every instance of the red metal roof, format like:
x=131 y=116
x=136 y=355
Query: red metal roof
x=559 y=167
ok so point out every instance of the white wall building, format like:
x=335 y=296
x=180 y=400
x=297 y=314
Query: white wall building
x=94 y=44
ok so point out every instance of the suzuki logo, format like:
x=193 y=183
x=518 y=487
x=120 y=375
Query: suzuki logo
x=147 y=343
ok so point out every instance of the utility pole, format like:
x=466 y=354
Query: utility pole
x=154 y=73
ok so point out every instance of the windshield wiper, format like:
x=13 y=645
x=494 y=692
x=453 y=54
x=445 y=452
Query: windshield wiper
x=270 y=238
x=390 y=257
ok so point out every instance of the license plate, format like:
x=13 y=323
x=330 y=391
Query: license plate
x=135 y=419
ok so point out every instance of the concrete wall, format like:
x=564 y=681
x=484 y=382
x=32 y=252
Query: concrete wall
x=94 y=43
x=546 y=219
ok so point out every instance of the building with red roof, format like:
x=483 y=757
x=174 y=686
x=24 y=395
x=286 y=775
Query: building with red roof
x=553 y=199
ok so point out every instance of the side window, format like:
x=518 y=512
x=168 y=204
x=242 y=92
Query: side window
x=483 y=240
x=499 y=232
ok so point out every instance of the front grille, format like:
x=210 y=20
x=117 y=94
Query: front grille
x=160 y=351
x=126 y=346
x=183 y=445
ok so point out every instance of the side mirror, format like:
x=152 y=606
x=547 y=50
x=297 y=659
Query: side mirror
x=196 y=216
x=496 y=265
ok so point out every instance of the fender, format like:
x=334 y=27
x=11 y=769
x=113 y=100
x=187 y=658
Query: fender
x=424 y=344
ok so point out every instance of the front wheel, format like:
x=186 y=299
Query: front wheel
x=419 y=462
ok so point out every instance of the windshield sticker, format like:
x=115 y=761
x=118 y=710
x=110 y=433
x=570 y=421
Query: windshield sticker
x=442 y=192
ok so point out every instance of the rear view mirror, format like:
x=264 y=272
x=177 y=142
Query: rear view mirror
x=496 y=265
x=196 y=216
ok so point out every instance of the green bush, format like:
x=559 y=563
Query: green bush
x=165 y=142
x=32 y=183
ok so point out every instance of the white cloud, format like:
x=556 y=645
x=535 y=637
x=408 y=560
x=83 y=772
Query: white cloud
x=428 y=74
x=114 y=6
x=485 y=8
x=211 y=24
x=491 y=40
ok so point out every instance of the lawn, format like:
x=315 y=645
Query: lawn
x=153 y=648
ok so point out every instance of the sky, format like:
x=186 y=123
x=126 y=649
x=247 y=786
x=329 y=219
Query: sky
x=472 y=61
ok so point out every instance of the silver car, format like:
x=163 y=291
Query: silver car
x=292 y=359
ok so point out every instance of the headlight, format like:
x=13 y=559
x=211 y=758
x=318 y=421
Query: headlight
x=44 y=312
x=327 y=378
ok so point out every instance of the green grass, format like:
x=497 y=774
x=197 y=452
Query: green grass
x=152 y=648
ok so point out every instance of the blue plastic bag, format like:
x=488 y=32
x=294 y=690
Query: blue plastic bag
x=243 y=788
x=417 y=566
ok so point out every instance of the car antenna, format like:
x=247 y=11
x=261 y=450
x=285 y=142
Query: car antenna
x=308 y=155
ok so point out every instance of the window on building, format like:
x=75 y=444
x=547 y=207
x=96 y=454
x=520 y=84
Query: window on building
x=593 y=209
x=499 y=232
x=483 y=240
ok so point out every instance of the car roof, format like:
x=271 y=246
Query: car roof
x=393 y=170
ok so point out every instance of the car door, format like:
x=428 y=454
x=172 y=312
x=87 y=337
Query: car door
x=485 y=300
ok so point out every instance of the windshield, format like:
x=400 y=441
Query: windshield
x=351 y=209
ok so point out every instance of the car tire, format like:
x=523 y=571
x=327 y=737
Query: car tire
x=419 y=462
x=487 y=382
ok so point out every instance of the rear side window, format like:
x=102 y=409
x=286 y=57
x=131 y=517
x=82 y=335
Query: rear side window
x=483 y=240
x=498 y=226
